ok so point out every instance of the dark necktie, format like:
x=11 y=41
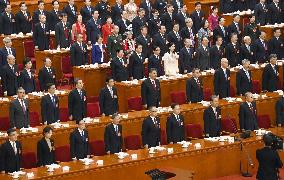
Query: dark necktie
x=23 y=106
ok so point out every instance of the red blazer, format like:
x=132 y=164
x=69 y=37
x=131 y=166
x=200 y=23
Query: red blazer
x=106 y=32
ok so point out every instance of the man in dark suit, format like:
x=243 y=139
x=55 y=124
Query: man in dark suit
x=244 y=79
x=123 y=23
x=108 y=98
x=119 y=67
x=9 y=77
x=247 y=50
x=275 y=12
x=23 y=19
x=261 y=13
x=136 y=63
x=188 y=31
x=87 y=11
x=54 y=15
x=41 y=34
x=77 y=102
x=159 y=40
x=222 y=80
x=233 y=51
x=248 y=114
x=116 y=11
x=46 y=75
x=186 y=57
x=174 y=37
x=8 y=22
x=71 y=10
x=113 y=135
x=39 y=11
x=104 y=10
x=27 y=78
x=197 y=16
x=11 y=153
x=268 y=160
x=147 y=6
x=235 y=27
x=93 y=28
x=6 y=50
x=260 y=48
x=212 y=118
x=138 y=22
x=151 y=129
x=221 y=31
x=202 y=57
x=276 y=44
x=227 y=6
x=279 y=109
x=182 y=16
x=168 y=18
x=79 y=142
x=155 y=60
x=63 y=33
x=145 y=40
x=160 y=5
x=50 y=106
x=79 y=52
x=154 y=23
x=194 y=87
x=251 y=29
x=19 y=111
x=270 y=75
x=175 y=126
x=150 y=90
x=216 y=53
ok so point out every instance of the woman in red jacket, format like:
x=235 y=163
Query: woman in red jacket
x=106 y=30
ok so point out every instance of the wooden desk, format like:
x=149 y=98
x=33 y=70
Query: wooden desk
x=269 y=31
x=206 y=6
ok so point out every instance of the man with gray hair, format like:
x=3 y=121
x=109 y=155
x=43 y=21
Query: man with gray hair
x=247 y=50
x=9 y=77
x=222 y=80
x=244 y=78
x=248 y=114
x=6 y=50
x=41 y=34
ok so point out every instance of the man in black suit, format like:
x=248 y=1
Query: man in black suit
x=279 y=109
x=6 y=50
x=123 y=23
x=275 y=12
x=188 y=31
x=104 y=10
x=182 y=16
x=276 y=44
x=222 y=80
x=260 y=48
x=79 y=52
x=150 y=90
x=77 y=102
x=147 y=6
x=221 y=31
x=235 y=27
x=93 y=28
x=151 y=129
x=41 y=34
x=145 y=40
x=19 y=111
x=175 y=126
x=23 y=19
x=138 y=22
x=50 y=106
x=46 y=75
x=194 y=87
x=270 y=75
x=227 y=6
x=71 y=10
x=63 y=36
x=113 y=135
x=244 y=78
x=247 y=50
x=248 y=114
x=168 y=18
x=87 y=11
x=8 y=22
x=261 y=13
x=251 y=29
x=154 y=23
x=212 y=118
x=79 y=142
x=9 y=77
x=174 y=37
x=11 y=153
x=119 y=67
x=233 y=51
x=159 y=40
x=39 y=11
x=186 y=57
x=54 y=15
x=197 y=16
x=108 y=98
x=268 y=160
x=116 y=11
x=27 y=77
x=155 y=60
x=160 y=5
x=136 y=63
x=216 y=53
x=202 y=56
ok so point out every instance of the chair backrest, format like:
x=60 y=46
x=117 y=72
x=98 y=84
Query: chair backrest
x=62 y=153
x=232 y=91
x=92 y=99
x=163 y=137
x=29 y=49
x=178 y=97
x=93 y=110
x=66 y=66
x=135 y=103
x=28 y=160
x=207 y=93
x=264 y=121
x=132 y=142
x=194 y=131
x=63 y=114
x=34 y=119
x=256 y=86
x=97 y=148
x=229 y=125
x=4 y=123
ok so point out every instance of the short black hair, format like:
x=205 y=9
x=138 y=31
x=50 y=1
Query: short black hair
x=152 y=69
x=197 y=3
x=220 y=18
x=26 y=60
x=48 y=85
x=63 y=15
x=118 y=50
x=21 y=3
x=76 y=80
x=46 y=129
x=39 y=2
x=114 y=115
x=173 y=105
x=108 y=79
x=10 y=131
x=275 y=29
x=267 y=139
x=235 y=15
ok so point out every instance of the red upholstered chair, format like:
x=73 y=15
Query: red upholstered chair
x=207 y=93
x=97 y=148
x=28 y=160
x=232 y=91
x=135 y=104
x=93 y=110
x=20 y=67
x=62 y=153
x=37 y=85
x=29 y=51
x=63 y=114
x=92 y=99
x=163 y=137
x=132 y=142
x=264 y=121
x=4 y=123
x=229 y=125
x=256 y=86
x=34 y=119
x=178 y=97
x=279 y=85
x=66 y=68
x=194 y=131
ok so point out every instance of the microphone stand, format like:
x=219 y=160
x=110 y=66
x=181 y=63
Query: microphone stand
x=249 y=161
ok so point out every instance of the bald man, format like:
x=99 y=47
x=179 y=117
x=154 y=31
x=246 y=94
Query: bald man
x=9 y=77
x=222 y=80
